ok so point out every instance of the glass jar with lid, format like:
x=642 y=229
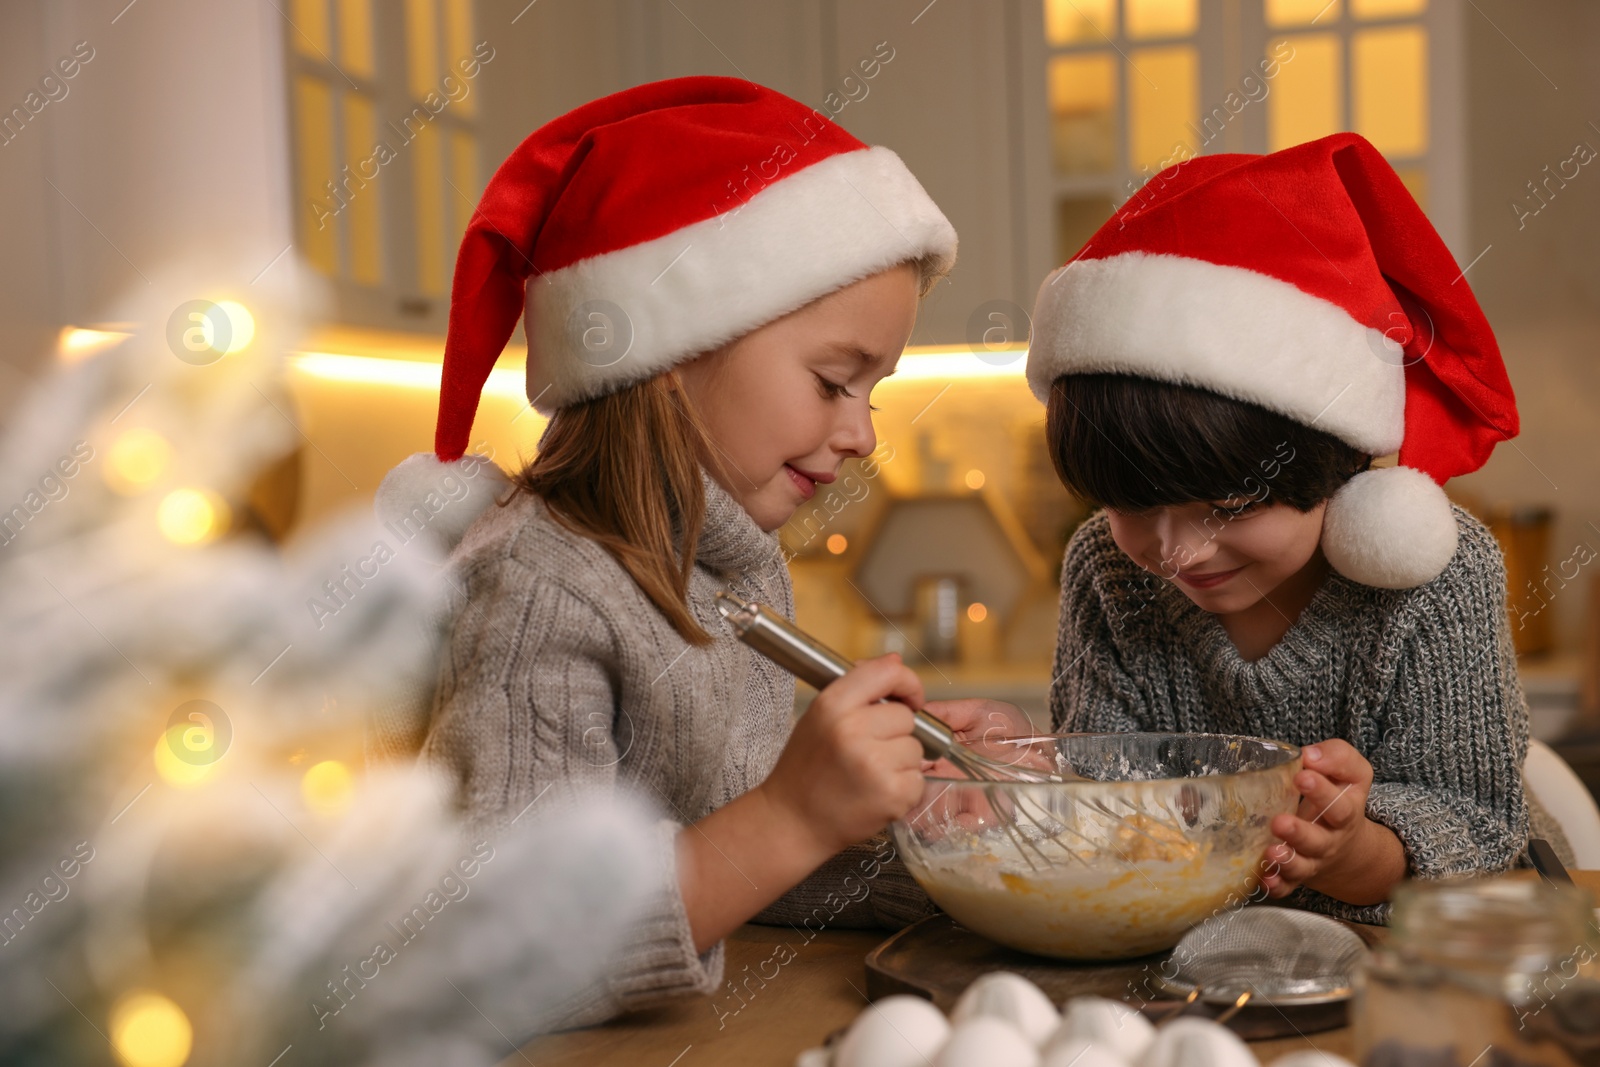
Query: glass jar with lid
x=1497 y=971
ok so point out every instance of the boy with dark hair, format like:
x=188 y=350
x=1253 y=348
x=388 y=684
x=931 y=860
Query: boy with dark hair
x=1220 y=370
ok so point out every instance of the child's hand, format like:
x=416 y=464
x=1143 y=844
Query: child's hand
x=1329 y=844
x=851 y=766
x=944 y=807
x=975 y=717
x=979 y=719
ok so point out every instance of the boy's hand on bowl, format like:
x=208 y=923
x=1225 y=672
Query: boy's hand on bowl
x=977 y=717
x=1329 y=844
x=944 y=807
x=851 y=766
x=983 y=723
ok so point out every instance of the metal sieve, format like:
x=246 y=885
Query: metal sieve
x=1280 y=957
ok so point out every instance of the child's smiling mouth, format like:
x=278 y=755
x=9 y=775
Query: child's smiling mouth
x=806 y=481
x=1209 y=580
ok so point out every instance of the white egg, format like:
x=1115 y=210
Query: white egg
x=1311 y=1058
x=901 y=1031
x=814 y=1057
x=1110 y=1024
x=986 y=1041
x=1013 y=998
x=1197 y=1043
x=1076 y=1052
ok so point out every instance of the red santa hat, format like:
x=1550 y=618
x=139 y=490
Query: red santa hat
x=650 y=226
x=1308 y=282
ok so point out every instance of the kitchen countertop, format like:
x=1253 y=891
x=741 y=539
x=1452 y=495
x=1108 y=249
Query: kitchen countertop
x=821 y=989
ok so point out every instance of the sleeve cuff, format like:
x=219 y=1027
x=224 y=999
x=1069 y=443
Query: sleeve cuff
x=656 y=961
x=1311 y=900
x=1440 y=840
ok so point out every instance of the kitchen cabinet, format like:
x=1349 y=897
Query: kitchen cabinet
x=954 y=87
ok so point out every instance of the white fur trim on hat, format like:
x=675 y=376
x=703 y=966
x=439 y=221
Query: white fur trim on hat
x=1227 y=329
x=421 y=496
x=627 y=315
x=1392 y=528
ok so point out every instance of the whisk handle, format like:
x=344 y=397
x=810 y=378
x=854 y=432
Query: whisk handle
x=813 y=662
x=938 y=740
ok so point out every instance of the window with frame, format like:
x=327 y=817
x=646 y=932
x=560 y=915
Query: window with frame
x=1358 y=65
x=384 y=120
x=1135 y=86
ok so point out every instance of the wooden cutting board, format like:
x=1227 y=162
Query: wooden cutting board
x=937 y=959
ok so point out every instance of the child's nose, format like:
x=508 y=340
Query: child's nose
x=1183 y=546
x=856 y=437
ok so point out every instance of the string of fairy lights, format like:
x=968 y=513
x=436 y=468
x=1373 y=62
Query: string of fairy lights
x=147 y=1028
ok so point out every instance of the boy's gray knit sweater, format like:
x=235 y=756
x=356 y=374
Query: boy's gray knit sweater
x=1422 y=681
x=559 y=677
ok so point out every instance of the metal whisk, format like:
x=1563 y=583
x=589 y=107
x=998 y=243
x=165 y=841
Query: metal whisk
x=813 y=662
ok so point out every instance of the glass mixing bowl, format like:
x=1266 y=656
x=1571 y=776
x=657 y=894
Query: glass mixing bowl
x=1151 y=834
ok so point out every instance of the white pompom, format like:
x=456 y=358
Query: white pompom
x=422 y=494
x=1391 y=528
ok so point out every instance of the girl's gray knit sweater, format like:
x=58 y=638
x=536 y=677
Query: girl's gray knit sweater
x=1422 y=681
x=559 y=677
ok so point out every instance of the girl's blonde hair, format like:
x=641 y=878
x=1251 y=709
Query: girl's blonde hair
x=624 y=470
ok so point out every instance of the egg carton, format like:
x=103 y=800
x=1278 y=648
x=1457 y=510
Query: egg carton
x=1004 y=1020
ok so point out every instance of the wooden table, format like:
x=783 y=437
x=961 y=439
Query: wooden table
x=821 y=989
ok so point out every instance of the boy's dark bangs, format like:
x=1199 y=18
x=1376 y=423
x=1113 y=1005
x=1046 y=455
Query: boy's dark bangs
x=1128 y=444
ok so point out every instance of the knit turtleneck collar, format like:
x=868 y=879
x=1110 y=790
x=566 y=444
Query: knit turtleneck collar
x=730 y=541
x=1299 y=655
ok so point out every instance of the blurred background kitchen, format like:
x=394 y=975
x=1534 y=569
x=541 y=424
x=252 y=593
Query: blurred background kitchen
x=350 y=139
